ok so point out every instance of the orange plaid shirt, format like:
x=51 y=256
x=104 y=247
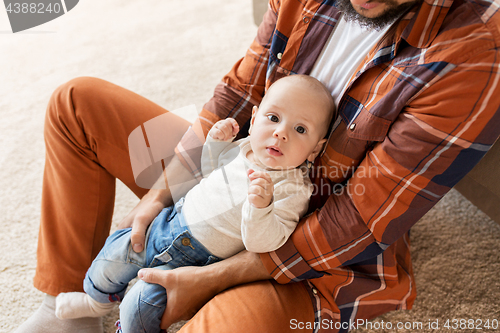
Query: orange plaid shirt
x=419 y=113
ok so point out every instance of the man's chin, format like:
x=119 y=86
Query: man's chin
x=371 y=18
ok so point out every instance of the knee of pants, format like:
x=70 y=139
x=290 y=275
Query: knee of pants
x=142 y=308
x=61 y=103
x=112 y=269
x=110 y=277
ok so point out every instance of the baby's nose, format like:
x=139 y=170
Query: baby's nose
x=281 y=134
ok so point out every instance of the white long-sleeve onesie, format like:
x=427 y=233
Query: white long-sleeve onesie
x=217 y=210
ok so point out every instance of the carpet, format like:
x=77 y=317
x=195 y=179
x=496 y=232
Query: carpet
x=174 y=53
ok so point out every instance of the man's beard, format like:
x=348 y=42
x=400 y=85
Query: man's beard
x=392 y=13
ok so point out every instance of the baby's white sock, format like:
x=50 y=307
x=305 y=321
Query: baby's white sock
x=79 y=305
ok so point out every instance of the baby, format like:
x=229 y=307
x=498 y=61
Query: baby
x=253 y=193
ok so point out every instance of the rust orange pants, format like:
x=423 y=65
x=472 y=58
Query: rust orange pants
x=87 y=126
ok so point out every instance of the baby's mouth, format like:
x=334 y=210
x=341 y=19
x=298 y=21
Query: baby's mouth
x=274 y=151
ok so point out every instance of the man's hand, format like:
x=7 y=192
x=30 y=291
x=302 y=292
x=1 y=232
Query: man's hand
x=261 y=188
x=154 y=201
x=186 y=288
x=224 y=130
x=189 y=288
x=142 y=215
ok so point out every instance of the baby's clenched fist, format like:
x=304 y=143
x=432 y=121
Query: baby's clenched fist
x=224 y=130
x=261 y=188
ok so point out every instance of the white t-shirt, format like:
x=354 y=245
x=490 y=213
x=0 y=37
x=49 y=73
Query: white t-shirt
x=346 y=48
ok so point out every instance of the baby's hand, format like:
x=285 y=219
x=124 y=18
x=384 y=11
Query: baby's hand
x=260 y=191
x=224 y=130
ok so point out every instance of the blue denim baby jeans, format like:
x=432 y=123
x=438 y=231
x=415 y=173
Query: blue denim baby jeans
x=169 y=244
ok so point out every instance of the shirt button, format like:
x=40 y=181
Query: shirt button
x=315 y=291
x=306 y=19
x=352 y=127
x=279 y=55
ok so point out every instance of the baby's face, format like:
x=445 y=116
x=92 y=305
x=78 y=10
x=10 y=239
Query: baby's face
x=288 y=127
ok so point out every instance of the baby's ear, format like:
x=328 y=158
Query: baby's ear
x=317 y=150
x=254 y=111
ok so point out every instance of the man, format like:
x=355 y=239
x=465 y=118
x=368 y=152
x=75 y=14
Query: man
x=414 y=83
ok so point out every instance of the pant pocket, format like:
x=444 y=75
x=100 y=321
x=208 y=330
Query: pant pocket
x=161 y=259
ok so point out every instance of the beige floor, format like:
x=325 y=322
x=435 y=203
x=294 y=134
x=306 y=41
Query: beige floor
x=174 y=52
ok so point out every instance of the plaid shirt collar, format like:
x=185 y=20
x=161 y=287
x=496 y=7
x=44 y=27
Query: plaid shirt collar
x=417 y=28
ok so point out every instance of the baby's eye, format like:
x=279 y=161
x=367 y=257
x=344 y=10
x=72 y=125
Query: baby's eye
x=300 y=129
x=273 y=118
